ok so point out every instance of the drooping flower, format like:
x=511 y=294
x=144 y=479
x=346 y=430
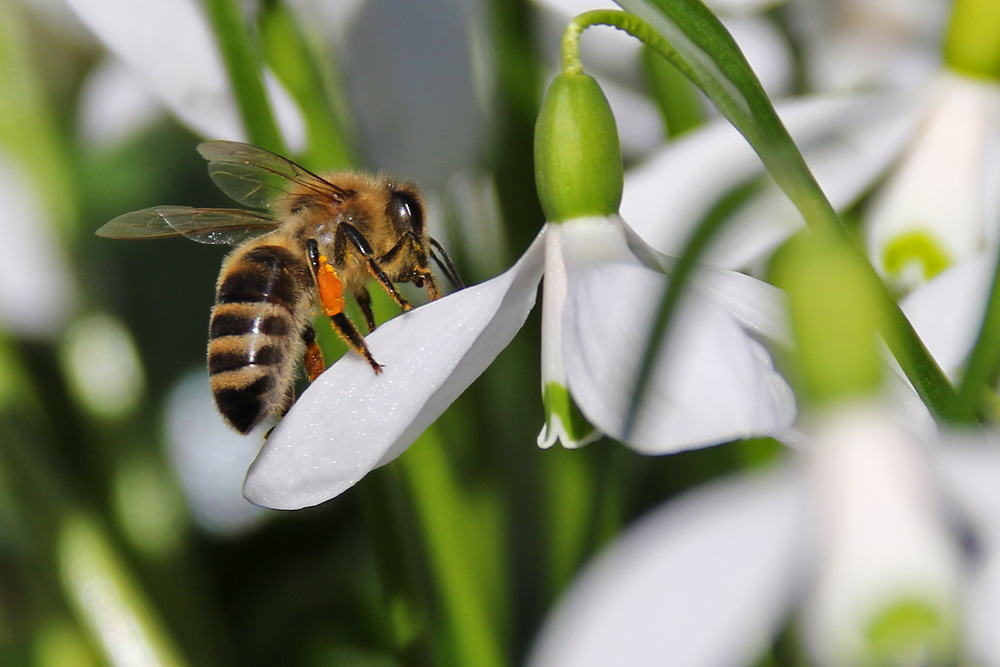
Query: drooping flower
x=859 y=535
x=602 y=286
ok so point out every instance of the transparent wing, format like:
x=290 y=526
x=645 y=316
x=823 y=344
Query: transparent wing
x=204 y=225
x=258 y=178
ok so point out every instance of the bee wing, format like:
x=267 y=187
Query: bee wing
x=204 y=225
x=258 y=178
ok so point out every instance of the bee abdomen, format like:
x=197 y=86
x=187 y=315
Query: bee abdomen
x=253 y=336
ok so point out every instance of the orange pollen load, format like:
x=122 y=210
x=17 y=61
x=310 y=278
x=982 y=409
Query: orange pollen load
x=331 y=290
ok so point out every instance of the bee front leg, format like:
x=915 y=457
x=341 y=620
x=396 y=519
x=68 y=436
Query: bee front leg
x=331 y=296
x=410 y=246
x=346 y=239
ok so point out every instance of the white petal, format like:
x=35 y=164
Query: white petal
x=169 y=45
x=972 y=468
x=114 y=104
x=948 y=311
x=846 y=140
x=846 y=158
x=701 y=581
x=712 y=383
x=350 y=420
x=560 y=423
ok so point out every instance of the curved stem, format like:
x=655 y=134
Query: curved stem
x=693 y=40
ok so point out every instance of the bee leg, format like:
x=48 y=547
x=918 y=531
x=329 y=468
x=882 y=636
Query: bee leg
x=331 y=296
x=445 y=264
x=411 y=246
x=347 y=238
x=313 y=359
x=364 y=300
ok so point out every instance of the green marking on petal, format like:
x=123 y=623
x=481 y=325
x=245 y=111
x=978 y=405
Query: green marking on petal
x=972 y=43
x=560 y=405
x=916 y=247
x=912 y=631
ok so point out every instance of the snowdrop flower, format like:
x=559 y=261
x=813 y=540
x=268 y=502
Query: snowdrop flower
x=169 y=48
x=602 y=286
x=932 y=145
x=941 y=205
x=859 y=535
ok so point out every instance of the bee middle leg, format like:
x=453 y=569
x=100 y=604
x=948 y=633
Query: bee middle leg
x=364 y=300
x=331 y=295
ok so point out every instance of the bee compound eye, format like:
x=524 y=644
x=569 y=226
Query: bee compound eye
x=406 y=210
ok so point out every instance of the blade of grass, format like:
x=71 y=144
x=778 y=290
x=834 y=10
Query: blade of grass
x=245 y=66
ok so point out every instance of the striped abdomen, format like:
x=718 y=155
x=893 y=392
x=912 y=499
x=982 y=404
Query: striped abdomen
x=255 y=336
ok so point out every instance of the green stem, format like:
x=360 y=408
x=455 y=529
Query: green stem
x=246 y=74
x=709 y=57
x=308 y=72
x=447 y=531
x=394 y=539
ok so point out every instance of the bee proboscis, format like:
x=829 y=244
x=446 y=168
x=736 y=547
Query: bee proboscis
x=313 y=240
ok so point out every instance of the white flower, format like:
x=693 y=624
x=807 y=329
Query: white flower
x=715 y=382
x=861 y=536
x=941 y=205
x=37 y=294
x=936 y=147
x=170 y=49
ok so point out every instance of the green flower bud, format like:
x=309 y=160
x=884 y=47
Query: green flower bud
x=836 y=314
x=578 y=161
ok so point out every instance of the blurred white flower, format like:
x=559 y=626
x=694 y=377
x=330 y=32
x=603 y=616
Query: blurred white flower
x=932 y=153
x=418 y=84
x=848 y=142
x=209 y=459
x=940 y=205
x=102 y=365
x=860 y=531
x=37 y=297
x=715 y=382
x=170 y=47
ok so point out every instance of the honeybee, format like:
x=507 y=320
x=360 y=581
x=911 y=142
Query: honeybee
x=315 y=240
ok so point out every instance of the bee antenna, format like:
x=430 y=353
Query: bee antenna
x=446 y=265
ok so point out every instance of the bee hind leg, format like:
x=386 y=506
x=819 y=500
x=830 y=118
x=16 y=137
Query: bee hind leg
x=313 y=358
x=314 y=365
x=331 y=295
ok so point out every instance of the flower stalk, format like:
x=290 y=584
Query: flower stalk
x=244 y=64
x=693 y=39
